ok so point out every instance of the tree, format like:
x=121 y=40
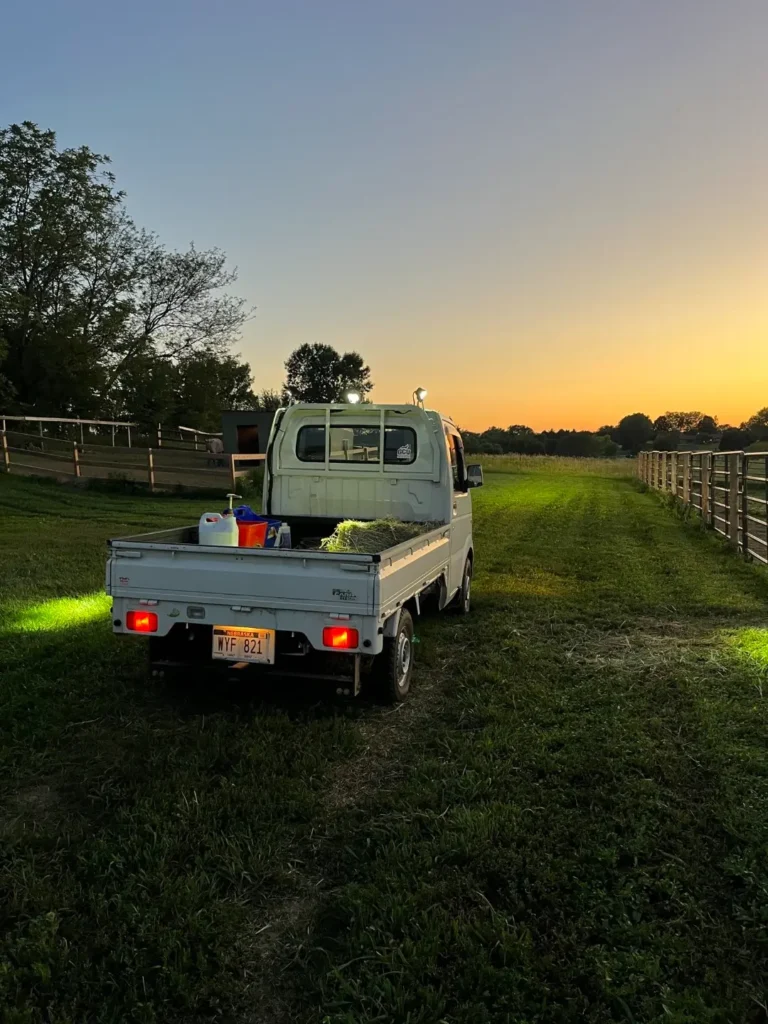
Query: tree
x=757 y=425
x=735 y=439
x=317 y=373
x=7 y=391
x=147 y=392
x=661 y=424
x=191 y=391
x=208 y=383
x=605 y=445
x=579 y=443
x=685 y=422
x=267 y=400
x=85 y=296
x=634 y=431
x=707 y=425
x=177 y=305
x=56 y=313
x=667 y=441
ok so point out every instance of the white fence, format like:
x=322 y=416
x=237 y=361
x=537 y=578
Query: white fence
x=729 y=490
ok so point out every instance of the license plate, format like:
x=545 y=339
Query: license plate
x=233 y=643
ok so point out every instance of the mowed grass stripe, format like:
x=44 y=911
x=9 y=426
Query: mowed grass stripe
x=576 y=832
x=581 y=835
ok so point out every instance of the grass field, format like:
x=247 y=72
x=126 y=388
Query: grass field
x=549 y=464
x=567 y=822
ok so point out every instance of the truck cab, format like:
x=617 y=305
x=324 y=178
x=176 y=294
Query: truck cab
x=371 y=462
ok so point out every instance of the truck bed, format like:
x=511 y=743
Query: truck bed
x=171 y=566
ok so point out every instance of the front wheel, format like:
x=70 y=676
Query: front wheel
x=394 y=666
x=462 y=601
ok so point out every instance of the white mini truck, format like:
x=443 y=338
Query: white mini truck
x=304 y=611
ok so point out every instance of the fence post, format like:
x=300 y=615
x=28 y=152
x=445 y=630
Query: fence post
x=76 y=459
x=733 y=498
x=687 y=477
x=151 y=469
x=706 y=470
x=744 y=468
x=6 y=454
x=129 y=437
x=232 y=472
x=672 y=459
x=159 y=435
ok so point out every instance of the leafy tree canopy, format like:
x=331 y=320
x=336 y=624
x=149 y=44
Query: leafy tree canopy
x=735 y=439
x=685 y=422
x=88 y=301
x=318 y=373
x=634 y=431
x=267 y=400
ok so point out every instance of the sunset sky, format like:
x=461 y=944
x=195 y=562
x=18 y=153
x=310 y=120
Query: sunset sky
x=550 y=212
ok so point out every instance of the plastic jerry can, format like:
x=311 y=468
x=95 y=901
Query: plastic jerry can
x=217 y=529
x=283 y=536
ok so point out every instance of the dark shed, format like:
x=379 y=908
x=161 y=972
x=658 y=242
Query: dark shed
x=244 y=432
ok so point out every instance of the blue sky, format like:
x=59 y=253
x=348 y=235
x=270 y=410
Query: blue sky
x=547 y=211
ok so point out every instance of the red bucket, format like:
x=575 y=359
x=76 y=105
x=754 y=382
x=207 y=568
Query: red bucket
x=251 y=535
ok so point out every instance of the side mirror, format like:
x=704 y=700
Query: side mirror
x=475 y=476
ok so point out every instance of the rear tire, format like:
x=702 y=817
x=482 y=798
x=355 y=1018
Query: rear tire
x=394 y=666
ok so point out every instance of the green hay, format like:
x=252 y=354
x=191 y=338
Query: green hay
x=360 y=538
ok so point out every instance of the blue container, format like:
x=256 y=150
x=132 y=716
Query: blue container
x=245 y=514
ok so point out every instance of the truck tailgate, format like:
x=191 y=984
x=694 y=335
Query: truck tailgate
x=299 y=580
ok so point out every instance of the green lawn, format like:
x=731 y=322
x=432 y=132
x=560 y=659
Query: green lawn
x=567 y=822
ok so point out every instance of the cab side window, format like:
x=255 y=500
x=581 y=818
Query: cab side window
x=456 y=455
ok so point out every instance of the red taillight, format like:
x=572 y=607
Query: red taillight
x=141 y=622
x=340 y=637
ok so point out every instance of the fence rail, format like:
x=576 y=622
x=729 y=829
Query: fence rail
x=729 y=490
x=169 y=437
x=160 y=468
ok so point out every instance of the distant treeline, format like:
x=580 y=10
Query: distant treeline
x=633 y=433
x=525 y=441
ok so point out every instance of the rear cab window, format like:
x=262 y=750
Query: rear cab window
x=357 y=443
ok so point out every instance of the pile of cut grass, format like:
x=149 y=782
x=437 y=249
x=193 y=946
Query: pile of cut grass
x=356 y=537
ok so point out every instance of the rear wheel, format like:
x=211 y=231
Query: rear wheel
x=394 y=666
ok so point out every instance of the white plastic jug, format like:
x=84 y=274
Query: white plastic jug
x=218 y=530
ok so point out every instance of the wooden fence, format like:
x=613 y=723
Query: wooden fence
x=169 y=437
x=729 y=490
x=159 y=468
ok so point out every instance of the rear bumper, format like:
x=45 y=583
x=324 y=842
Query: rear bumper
x=284 y=621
